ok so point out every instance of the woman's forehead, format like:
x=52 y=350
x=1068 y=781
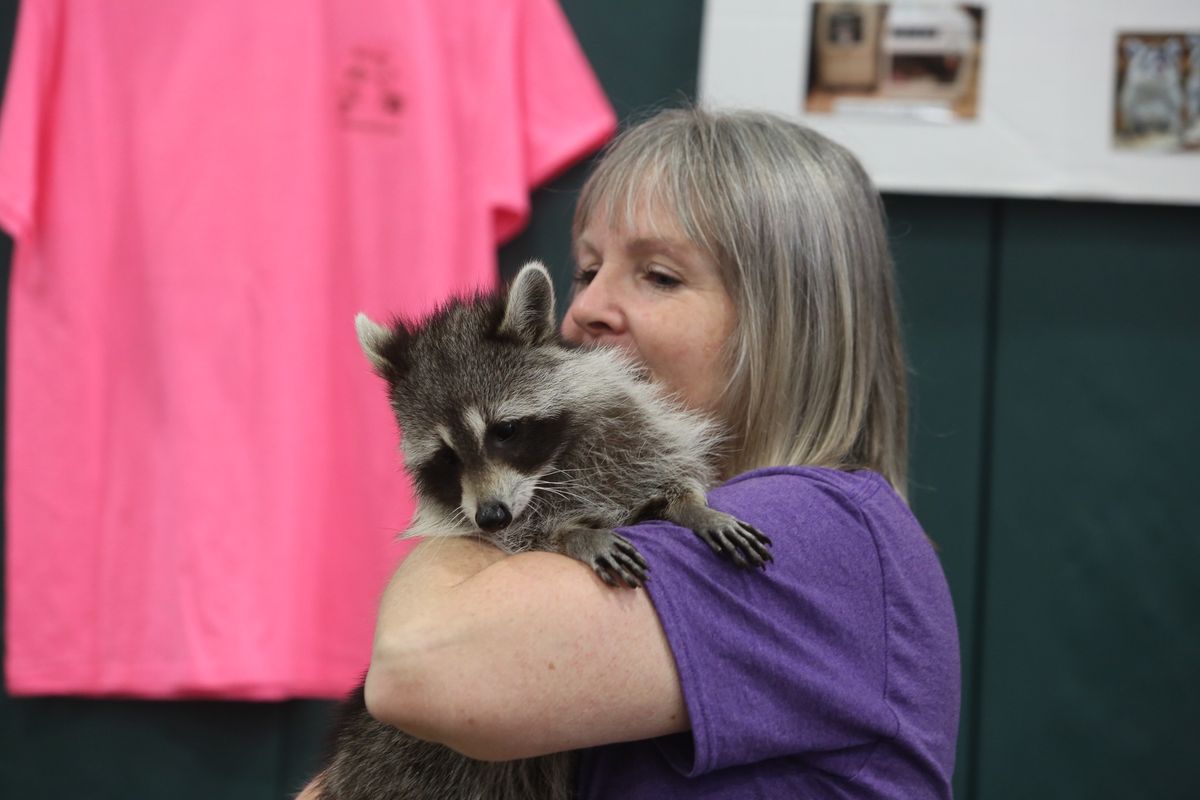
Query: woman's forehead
x=644 y=215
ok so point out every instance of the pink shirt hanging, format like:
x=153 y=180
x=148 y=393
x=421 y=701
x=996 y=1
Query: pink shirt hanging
x=203 y=487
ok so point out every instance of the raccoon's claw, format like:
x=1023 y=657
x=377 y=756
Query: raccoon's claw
x=739 y=541
x=630 y=574
x=613 y=557
x=624 y=560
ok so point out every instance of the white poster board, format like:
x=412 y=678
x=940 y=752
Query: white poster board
x=1047 y=100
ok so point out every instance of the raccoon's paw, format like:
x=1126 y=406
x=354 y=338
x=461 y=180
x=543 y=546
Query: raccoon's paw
x=738 y=541
x=613 y=557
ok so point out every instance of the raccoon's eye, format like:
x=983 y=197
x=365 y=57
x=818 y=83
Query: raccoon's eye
x=503 y=431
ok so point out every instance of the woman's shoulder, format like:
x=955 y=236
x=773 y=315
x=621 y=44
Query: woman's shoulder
x=798 y=482
x=787 y=496
x=827 y=513
x=820 y=521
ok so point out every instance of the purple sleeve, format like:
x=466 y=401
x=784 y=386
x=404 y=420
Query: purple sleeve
x=782 y=662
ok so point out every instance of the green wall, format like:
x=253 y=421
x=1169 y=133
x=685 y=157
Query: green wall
x=1055 y=357
x=1090 y=594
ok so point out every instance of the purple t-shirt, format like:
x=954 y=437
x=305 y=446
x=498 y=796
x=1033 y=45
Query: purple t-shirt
x=834 y=673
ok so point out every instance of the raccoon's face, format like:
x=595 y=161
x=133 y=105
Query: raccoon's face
x=483 y=465
x=475 y=393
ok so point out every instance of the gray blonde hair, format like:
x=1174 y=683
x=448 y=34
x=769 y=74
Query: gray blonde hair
x=815 y=368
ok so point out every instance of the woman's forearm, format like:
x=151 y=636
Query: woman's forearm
x=483 y=652
x=433 y=566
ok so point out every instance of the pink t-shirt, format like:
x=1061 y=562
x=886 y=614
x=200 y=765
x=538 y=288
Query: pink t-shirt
x=203 y=484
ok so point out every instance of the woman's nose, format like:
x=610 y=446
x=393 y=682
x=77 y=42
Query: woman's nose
x=595 y=313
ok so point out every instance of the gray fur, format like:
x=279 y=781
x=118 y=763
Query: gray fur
x=616 y=450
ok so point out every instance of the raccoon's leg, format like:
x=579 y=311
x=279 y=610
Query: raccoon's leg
x=727 y=535
x=612 y=556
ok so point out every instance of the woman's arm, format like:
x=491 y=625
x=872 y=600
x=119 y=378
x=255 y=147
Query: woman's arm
x=503 y=657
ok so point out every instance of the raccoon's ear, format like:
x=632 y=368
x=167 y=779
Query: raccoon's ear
x=529 y=313
x=386 y=348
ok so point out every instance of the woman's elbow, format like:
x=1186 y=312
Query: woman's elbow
x=406 y=689
x=394 y=691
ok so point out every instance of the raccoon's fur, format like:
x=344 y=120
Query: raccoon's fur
x=513 y=435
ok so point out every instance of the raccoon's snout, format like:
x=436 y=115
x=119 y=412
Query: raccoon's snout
x=492 y=516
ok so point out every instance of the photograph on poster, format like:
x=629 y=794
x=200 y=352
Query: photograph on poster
x=901 y=59
x=1158 y=92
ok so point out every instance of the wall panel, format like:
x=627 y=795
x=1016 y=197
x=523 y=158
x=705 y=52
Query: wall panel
x=1093 y=603
x=943 y=260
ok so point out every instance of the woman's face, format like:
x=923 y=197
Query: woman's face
x=655 y=294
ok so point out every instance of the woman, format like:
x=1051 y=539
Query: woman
x=743 y=259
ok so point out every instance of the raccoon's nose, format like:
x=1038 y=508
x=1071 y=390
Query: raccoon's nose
x=492 y=516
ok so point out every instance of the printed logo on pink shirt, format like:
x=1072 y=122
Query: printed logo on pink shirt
x=368 y=97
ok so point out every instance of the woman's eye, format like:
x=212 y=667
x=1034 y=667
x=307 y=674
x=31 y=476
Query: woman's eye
x=663 y=280
x=584 y=275
x=503 y=431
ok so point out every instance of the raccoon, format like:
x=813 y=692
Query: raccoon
x=513 y=435
x=1152 y=96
